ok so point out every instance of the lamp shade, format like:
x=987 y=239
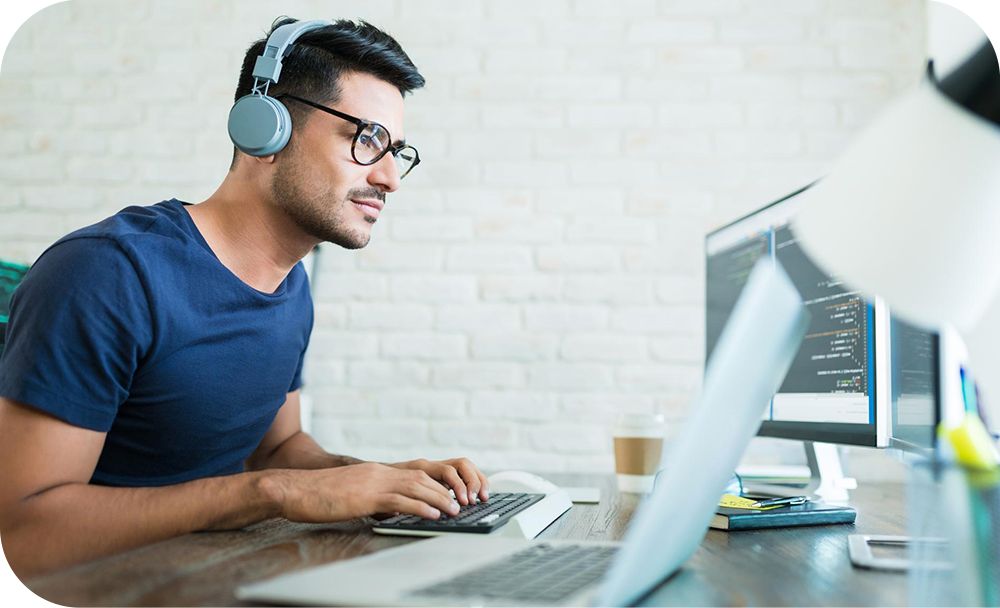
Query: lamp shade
x=911 y=211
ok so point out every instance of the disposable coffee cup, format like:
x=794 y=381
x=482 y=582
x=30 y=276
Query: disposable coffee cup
x=638 y=442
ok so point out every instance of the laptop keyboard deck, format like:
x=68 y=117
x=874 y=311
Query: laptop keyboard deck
x=543 y=573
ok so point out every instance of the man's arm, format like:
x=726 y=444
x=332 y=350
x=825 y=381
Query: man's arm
x=51 y=517
x=286 y=446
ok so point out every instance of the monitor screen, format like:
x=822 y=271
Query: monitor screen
x=836 y=390
x=915 y=391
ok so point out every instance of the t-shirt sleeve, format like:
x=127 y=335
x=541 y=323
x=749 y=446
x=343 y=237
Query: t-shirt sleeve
x=79 y=326
x=297 y=379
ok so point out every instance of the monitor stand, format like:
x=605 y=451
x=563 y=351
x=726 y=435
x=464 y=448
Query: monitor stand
x=826 y=476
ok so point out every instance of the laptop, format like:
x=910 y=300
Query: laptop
x=748 y=365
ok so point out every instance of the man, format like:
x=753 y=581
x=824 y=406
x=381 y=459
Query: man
x=150 y=383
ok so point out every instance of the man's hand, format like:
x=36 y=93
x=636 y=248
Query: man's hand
x=358 y=490
x=459 y=474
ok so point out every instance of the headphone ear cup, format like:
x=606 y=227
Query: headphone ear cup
x=259 y=125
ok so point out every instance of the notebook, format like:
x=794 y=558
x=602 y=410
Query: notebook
x=753 y=354
x=808 y=514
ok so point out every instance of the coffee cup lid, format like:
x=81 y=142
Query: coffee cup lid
x=640 y=425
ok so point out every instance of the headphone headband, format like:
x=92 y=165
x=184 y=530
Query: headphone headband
x=260 y=125
x=279 y=43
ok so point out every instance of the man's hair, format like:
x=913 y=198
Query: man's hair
x=319 y=57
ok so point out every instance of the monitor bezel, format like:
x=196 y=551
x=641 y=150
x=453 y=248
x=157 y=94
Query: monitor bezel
x=876 y=434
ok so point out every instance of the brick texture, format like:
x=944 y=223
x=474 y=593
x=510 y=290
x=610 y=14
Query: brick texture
x=541 y=272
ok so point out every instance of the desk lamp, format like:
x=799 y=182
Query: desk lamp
x=925 y=176
x=912 y=212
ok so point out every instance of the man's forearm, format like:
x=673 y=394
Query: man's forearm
x=300 y=451
x=77 y=522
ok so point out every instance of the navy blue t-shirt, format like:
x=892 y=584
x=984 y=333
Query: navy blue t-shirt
x=133 y=327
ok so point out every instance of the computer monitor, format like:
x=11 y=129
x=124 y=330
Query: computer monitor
x=860 y=377
x=837 y=388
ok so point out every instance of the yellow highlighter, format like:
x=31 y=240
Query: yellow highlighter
x=972 y=443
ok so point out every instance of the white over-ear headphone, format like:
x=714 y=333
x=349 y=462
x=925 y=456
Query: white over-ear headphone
x=260 y=125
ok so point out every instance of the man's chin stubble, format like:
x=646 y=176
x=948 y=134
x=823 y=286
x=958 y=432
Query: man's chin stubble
x=330 y=230
x=346 y=238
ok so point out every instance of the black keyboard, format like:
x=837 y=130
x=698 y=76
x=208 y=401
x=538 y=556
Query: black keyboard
x=542 y=573
x=482 y=518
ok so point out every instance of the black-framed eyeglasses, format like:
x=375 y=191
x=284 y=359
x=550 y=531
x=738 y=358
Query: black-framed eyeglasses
x=371 y=141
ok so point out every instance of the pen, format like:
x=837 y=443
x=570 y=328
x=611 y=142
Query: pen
x=782 y=501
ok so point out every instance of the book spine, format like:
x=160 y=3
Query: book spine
x=749 y=522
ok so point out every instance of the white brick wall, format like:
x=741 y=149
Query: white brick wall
x=541 y=271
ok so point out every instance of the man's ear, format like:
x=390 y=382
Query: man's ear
x=246 y=158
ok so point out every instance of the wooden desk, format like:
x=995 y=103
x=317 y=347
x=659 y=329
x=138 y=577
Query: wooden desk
x=792 y=566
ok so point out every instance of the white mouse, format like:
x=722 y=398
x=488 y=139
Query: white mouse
x=520 y=481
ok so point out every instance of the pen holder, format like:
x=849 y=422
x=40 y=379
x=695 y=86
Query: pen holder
x=954 y=521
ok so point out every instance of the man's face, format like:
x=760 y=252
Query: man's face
x=316 y=180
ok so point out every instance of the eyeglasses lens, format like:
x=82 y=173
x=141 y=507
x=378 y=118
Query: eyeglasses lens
x=406 y=158
x=374 y=142
x=371 y=144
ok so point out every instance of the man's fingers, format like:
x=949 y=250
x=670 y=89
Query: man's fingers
x=404 y=504
x=484 y=489
x=470 y=477
x=423 y=487
x=464 y=478
x=451 y=476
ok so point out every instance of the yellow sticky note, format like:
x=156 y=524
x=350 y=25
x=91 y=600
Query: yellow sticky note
x=738 y=502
